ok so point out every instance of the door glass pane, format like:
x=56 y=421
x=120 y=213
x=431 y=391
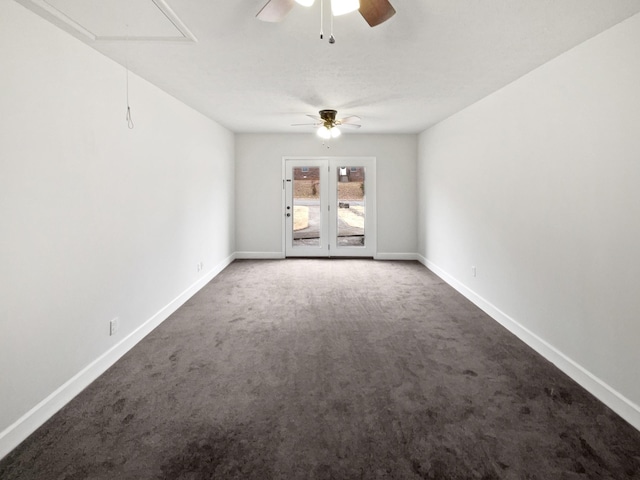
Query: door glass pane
x=351 y=207
x=306 y=206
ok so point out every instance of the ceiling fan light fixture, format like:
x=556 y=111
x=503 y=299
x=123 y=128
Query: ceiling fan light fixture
x=305 y=3
x=341 y=7
x=327 y=124
x=324 y=133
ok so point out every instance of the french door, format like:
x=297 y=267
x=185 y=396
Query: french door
x=329 y=207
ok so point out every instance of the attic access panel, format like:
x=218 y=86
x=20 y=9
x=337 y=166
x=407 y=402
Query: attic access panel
x=115 y=20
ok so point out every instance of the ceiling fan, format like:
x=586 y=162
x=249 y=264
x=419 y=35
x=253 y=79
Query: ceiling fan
x=328 y=124
x=374 y=12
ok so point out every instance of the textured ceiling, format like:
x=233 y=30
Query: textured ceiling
x=433 y=58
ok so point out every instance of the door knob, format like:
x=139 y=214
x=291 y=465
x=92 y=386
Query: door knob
x=288 y=214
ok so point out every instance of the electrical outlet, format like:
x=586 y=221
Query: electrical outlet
x=473 y=271
x=114 y=324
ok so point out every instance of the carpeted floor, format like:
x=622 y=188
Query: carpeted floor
x=330 y=369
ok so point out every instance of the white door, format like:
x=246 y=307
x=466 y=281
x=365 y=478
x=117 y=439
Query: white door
x=329 y=207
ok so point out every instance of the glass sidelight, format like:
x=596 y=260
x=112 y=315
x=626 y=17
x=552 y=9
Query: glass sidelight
x=329 y=207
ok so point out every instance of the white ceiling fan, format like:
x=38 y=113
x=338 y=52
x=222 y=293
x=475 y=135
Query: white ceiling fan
x=374 y=12
x=328 y=124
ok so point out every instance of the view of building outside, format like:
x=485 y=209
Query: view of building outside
x=350 y=202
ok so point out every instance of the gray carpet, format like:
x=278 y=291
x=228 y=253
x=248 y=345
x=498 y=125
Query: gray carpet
x=330 y=369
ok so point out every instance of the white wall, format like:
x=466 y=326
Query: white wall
x=537 y=186
x=259 y=187
x=98 y=221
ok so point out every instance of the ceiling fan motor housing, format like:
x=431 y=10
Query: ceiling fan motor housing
x=329 y=117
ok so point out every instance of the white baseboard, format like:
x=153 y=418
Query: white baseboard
x=280 y=255
x=259 y=255
x=395 y=256
x=16 y=433
x=617 y=402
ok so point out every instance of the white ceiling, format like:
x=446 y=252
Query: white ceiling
x=433 y=58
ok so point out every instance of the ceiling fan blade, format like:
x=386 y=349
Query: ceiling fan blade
x=376 y=12
x=275 y=10
x=350 y=120
x=350 y=125
x=306 y=124
x=315 y=117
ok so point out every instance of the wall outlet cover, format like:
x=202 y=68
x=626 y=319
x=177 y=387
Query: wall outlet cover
x=113 y=326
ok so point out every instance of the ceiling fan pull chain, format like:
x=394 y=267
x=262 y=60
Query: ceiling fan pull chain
x=321 y=18
x=331 y=37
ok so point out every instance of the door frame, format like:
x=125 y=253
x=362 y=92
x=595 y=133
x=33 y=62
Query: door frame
x=371 y=181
